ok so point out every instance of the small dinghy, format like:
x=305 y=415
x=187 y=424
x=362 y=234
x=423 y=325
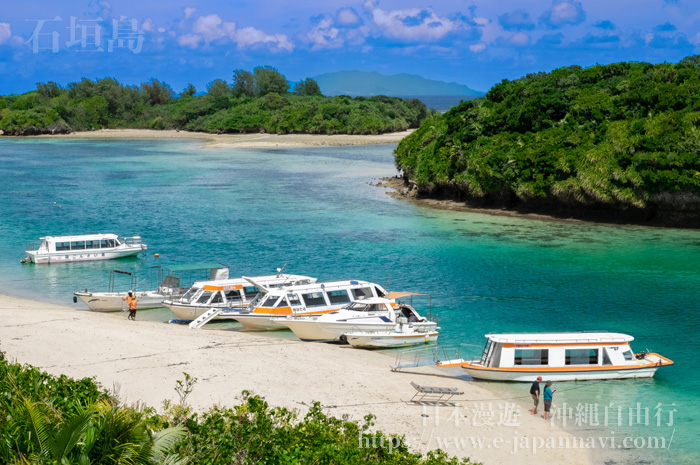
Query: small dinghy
x=403 y=335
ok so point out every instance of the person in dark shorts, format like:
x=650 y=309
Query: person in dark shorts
x=535 y=392
x=548 y=393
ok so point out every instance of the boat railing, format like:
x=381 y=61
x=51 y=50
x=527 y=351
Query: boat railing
x=32 y=246
x=132 y=240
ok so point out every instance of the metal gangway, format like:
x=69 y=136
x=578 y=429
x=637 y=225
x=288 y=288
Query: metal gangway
x=446 y=355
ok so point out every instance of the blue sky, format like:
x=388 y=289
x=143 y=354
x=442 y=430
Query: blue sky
x=477 y=43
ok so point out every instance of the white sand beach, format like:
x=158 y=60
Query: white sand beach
x=145 y=358
x=240 y=140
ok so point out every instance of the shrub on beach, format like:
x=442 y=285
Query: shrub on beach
x=55 y=419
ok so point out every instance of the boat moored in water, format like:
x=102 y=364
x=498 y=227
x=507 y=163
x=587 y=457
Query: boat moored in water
x=403 y=335
x=371 y=314
x=64 y=249
x=560 y=357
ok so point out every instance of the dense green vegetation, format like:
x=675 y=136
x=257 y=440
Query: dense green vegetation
x=55 y=420
x=624 y=136
x=255 y=102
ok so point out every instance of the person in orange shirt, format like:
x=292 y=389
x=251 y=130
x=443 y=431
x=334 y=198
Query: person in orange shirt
x=132 y=303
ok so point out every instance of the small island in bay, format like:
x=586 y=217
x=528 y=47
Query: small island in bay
x=255 y=102
x=617 y=143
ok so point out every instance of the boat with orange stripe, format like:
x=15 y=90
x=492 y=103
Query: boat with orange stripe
x=308 y=300
x=560 y=357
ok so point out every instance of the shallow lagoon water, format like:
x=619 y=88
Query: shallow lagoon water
x=317 y=211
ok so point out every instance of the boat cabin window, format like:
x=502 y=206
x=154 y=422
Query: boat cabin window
x=379 y=292
x=189 y=294
x=217 y=299
x=251 y=291
x=362 y=293
x=628 y=355
x=531 y=357
x=92 y=244
x=293 y=299
x=314 y=299
x=338 y=297
x=606 y=357
x=270 y=301
x=106 y=243
x=581 y=357
x=233 y=295
x=282 y=302
x=61 y=246
x=77 y=245
x=204 y=297
x=409 y=314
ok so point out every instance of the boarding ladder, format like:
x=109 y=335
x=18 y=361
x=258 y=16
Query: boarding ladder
x=205 y=317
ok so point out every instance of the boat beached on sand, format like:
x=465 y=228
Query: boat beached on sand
x=171 y=282
x=229 y=293
x=560 y=357
x=311 y=299
x=64 y=249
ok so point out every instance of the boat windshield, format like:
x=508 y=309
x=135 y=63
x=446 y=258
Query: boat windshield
x=189 y=294
x=365 y=307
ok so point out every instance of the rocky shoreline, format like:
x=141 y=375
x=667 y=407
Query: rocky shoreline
x=667 y=212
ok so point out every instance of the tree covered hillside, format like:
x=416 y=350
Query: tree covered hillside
x=258 y=101
x=620 y=137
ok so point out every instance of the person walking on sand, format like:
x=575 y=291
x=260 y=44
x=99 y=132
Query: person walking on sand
x=548 y=393
x=535 y=392
x=131 y=302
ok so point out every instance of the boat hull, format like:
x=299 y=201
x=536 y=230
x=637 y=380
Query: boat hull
x=389 y=340
x=315 y=331
x=113 y=301
x=260 y=322
x=67 y=257
x=555 y=375
x=192 y=312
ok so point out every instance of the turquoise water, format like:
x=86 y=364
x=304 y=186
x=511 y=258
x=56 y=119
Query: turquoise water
x=316 y=210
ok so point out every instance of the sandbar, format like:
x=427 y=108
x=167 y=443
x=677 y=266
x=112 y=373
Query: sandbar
x=142 y=360
x=257 y=140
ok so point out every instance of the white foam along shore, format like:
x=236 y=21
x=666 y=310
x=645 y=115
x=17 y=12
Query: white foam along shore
x=146 y=358
x=256 y=140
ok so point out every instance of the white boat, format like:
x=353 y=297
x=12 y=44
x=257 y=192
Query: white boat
x=403 y=335
x=311 y=299
x=371 y=314
x=232 y=294
x=64 y=249
x=173 y=280
x=560 y=357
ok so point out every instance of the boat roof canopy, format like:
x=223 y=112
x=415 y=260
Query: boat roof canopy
x=580 y=337
x=193 y=266
x=82 y=237
x=399 y=295
x=329 y=286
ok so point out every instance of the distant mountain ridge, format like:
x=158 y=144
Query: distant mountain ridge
x=365 y=83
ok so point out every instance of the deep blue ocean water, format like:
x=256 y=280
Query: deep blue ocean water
x=318 y=211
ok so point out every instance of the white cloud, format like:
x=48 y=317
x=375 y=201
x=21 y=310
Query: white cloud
x=148 y=25
x=324 y=35
x=347 y=17
x=211 y=27
x=249 y=37
x=412 y=23
x=476 y=48
x=189 y=40
x=519 y=39
x=189 y=11
x=5 y=32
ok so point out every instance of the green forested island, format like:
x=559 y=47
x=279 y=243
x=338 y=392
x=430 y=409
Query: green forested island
x=258 y=101
x=620 y=141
